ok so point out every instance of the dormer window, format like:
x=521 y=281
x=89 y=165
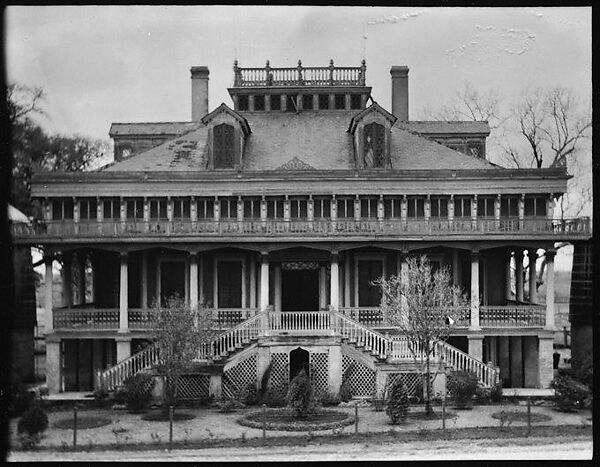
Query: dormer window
x=374 y=145
x=223 y=145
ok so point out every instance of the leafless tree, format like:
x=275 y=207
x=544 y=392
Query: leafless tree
x=424 y=308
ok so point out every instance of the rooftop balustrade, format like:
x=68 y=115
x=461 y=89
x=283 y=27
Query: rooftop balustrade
x=299 y=76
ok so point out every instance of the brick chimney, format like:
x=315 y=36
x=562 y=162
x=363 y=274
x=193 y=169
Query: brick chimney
x=400 y=92
x=199 y=92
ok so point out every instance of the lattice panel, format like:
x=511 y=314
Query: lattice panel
x=360 y=379
x=238 y=377
x=280 y=370
x=193 y=387
x=319 y=373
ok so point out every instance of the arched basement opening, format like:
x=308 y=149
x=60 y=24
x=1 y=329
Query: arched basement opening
x=299 y=360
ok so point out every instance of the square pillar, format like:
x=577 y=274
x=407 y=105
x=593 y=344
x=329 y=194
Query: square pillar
x=334 y=369
x=474 y=325
x=53 y=366
x=48 y=279
x=347 y=280
x=123 y=348
x=264 y=282
x=532 y=255
x=322 y=288
x=252 y=281
x=504 y=359
x=438 y=388
x=263 y=358
x=144 y=279
x=277 y=287
x=380 y=382
x=334 y=290
x=193 y=281
x=476 y=346
x=550 y=289
x=516 y=361
x=67 y=280
x=531 y=362
x=123 y=295
x=519 y=274
x=215 y=386
x=546 y=369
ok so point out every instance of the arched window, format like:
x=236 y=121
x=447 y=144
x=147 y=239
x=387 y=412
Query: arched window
x=374 y=144
x=223 y=148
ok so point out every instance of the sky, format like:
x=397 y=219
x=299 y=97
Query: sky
x=103 y=64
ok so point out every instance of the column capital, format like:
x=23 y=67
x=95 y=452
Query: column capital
x=475 y=254
x=123 y=254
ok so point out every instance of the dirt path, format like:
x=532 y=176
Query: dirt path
x=519 y=448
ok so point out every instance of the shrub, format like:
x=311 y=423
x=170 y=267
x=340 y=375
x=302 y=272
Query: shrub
x=138 y=391
x=300 y=395
x=463 y=386
x=275 y=397
x=585 y=372
x=329 y=399
x=227 y=404
x=101 y=397
x=569 y=394
x=345 y=390
x=31 y=425
x=496 y=392
x=249 y=395
x=397 y=403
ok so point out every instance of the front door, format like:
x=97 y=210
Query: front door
x=300 y=289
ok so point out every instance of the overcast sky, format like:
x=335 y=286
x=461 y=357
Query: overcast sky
x=101 y=64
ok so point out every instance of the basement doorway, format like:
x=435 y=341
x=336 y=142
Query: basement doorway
x=300 y=286
x=299 y=360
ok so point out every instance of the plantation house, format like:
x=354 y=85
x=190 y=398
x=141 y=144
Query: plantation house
x=275 y=213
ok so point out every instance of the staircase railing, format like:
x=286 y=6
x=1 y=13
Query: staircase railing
x=488 y=375
x=233 y=338
x=377 y=343
x=113 y=377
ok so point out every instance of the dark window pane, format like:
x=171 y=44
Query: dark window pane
x=290 y=104
x=223 y=146
x=355 y=101
x=369 y=271
x=57 y=210
x=374 y=145
x=323 y=101
x=307 y=102
x=540 y=207
x=420 y=208
x=230 y=284
x=259 y=102
x=275 y=102
x=68 y=208
x=242 y=102
x=529 y=207
x=340 y=102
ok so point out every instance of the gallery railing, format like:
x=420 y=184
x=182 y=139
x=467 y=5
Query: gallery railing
x=301 y=227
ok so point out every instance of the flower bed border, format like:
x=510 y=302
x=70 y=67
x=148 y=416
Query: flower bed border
x=287 y=426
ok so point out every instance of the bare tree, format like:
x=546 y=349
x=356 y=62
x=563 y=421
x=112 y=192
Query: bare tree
x=181 y=333
x=424 y=307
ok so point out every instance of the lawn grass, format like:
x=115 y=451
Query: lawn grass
x=495 y=435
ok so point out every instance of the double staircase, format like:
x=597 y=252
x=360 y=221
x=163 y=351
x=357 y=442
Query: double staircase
x=383 y=348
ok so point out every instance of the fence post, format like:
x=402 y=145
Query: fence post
x=170 y=427
x=528 y=416
x=356 y=419
x=444 y=414
x=264 y=421
x=74 y=426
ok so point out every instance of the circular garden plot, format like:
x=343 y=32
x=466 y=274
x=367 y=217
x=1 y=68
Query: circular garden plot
x=285 y=420
x=164 y=416
x=83 y=423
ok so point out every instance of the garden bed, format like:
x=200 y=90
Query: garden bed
x=520 y=416
x=285 y=420
x=162 y=416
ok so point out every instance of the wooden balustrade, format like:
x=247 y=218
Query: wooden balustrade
x=512 y=316
x=299 y=227
x=300 y=76
x=113 y=377
x=299 y=321
x=86 y=318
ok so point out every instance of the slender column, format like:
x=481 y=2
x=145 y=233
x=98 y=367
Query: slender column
x=403 y=209
x=497 y=211
x=53 y=365
x=193 y=209
x=310 y=209
x=99 y=209
x=521 y=211
x=380 y=209
x=82 y=281
x=123 y=211
x=451 y=209
x=347 y=280
x=66 y=281
x=455 y=266
x=252 y=281
x=322 y=288
x=217 y=209
x=550 y=207
x=169 y=209
x=508 y=274
x=194 y=281
x=519 y=273
x=201 y=278
x=286 y=209
x=277 y=286
x=144 y=279
x=550 y=289
x=48 y=279
x=474 y=212
x=123 y=295
x=334 y=291
x=532 y=255
x=357 y=208
x=240 y=209
x=264 y=282
x=475 y=291
x=427 y=208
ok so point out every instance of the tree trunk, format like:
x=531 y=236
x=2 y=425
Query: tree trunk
x=428 y=386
